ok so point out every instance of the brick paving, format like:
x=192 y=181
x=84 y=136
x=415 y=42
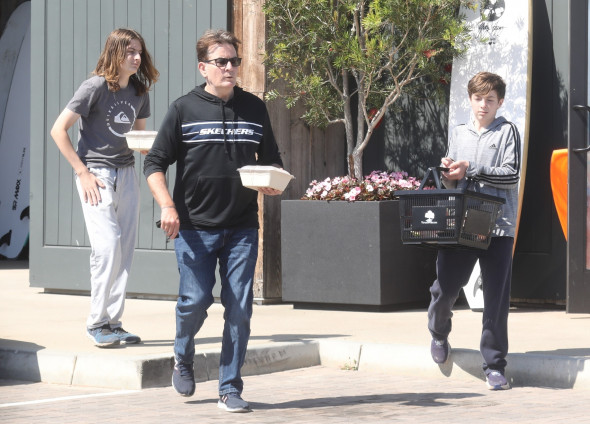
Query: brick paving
x=309 y=395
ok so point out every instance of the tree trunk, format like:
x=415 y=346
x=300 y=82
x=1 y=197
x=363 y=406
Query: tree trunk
x=357 y=161
x=348 y=128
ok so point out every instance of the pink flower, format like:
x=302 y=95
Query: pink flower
x=376 y=186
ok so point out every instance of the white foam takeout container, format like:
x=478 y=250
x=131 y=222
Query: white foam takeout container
x=140 y=140
x=256 y=176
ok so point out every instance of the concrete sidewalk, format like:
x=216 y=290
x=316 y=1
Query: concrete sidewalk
x=42 y=338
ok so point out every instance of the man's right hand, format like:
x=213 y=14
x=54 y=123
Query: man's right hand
x=90 y=184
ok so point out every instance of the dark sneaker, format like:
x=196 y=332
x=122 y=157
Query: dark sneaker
x=183 y=379
x=495 y=380
x=232 y=402
x=440 y=350
x=125 y=337
x=103 y=336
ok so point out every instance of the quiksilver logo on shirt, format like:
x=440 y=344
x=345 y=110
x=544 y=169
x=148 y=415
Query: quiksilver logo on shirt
x=120 y=117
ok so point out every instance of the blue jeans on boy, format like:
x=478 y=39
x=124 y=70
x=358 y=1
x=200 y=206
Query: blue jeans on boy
x=197 y=253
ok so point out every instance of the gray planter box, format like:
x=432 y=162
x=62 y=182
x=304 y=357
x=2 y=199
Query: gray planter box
x=350 y=255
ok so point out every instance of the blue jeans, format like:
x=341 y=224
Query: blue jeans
x=197 y=253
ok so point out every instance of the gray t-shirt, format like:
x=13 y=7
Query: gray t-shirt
x=104 y=117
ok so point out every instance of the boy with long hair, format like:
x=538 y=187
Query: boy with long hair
x=112 y=102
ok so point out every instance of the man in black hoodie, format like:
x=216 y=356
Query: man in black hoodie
x=209 y=133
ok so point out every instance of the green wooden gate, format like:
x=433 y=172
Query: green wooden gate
x=67 y=38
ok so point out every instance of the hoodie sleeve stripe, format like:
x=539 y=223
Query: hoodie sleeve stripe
x=511 y=178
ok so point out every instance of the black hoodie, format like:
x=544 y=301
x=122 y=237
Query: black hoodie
x=209 y=139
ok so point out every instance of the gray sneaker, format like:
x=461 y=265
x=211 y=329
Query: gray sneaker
x=103 y=336
x=125 y=337
x=232 y=402
x=495 y=380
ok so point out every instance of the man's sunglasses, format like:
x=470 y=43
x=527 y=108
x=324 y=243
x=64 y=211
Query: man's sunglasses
x=221 y=62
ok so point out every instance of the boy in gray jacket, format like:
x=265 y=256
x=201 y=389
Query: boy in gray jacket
x=484 y=155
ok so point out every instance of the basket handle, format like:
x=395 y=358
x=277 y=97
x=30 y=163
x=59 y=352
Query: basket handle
x=432 y=174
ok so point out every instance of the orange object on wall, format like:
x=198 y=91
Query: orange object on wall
x=559 y=185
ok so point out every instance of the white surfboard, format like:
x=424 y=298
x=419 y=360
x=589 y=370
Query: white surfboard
x=10 y=45
x=501 y=43
x=14 y=152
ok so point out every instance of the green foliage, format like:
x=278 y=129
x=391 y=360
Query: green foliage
x=333 y=54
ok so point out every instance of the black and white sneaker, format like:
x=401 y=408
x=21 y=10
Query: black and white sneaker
x=232 y=402
x=495 y=380
x=440 y=350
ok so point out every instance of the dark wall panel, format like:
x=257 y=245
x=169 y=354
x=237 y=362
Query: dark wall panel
x=539 y=270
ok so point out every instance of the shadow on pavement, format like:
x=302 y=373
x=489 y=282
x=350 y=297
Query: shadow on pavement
x=408 y=399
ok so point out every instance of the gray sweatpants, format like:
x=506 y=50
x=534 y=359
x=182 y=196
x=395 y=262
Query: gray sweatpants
x=112 y=229
x=453 y=269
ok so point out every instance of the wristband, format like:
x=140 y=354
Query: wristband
x=166 y=207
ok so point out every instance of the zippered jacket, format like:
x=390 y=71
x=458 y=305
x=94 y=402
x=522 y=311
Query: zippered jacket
x=494 y=165
x=209 y=139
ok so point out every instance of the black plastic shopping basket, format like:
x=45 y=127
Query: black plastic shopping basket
x=447 y=218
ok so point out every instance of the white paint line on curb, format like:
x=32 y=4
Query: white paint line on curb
x=59 y=399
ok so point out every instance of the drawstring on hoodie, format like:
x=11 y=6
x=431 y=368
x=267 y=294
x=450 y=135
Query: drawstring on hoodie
x=235 y=125
x=225 y=142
